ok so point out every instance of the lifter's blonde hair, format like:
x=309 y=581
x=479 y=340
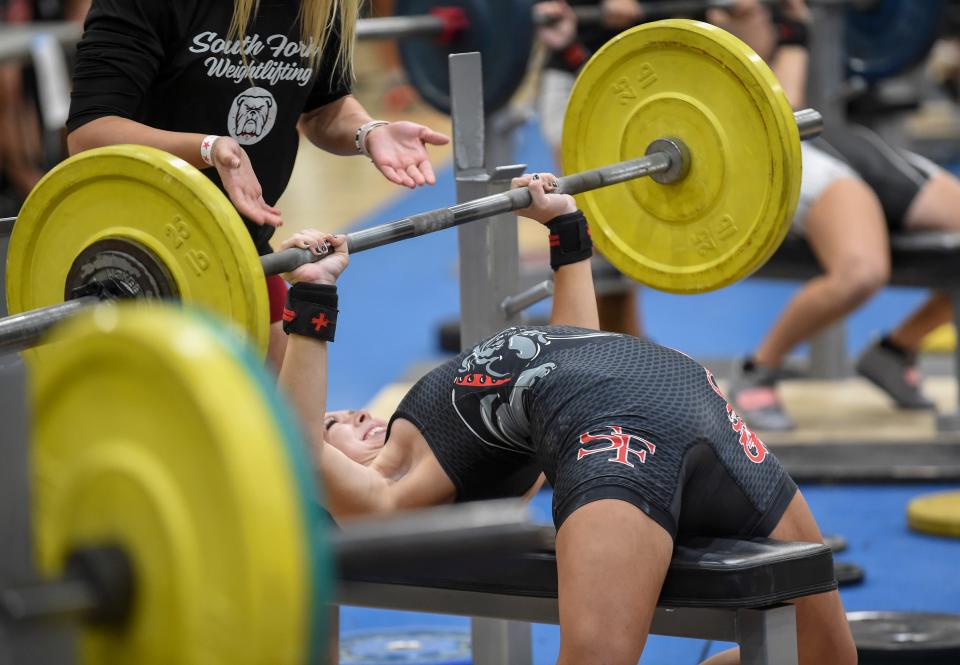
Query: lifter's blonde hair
x=318 y=19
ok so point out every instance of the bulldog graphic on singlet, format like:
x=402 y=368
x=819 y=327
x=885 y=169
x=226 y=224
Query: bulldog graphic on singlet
x=492 y=380
x=252 y=115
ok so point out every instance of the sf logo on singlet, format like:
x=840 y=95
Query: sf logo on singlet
x=619 y=444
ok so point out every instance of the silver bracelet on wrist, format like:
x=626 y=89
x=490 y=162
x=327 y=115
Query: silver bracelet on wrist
x=360 y=139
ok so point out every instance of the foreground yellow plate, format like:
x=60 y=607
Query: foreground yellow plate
x=152 y=434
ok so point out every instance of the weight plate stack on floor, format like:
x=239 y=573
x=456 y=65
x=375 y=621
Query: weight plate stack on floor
x=155 y=223
x=696 y=83
x=157 y=434
x=899 y=638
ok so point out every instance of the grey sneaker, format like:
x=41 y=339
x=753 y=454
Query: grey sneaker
x=895 y=374
x=754 y=396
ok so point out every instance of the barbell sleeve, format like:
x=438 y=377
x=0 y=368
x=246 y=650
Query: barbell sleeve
x=809 y=124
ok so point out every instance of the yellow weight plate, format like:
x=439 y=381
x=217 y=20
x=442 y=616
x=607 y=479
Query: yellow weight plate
x=153 y=202
x=694 y=82
x=941 y=340
x=937 y=514
x=150 y=435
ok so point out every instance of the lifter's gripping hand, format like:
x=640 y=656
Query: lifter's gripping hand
x=546 y=205
x=327 y=269
x=241 y=184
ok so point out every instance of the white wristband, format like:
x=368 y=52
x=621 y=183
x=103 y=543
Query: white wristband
x=360 y=140
x=206 y=149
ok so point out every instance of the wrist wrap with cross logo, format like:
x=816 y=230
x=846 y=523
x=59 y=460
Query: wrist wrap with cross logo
x=311 y=311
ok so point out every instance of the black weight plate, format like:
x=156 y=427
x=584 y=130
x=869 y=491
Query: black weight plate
x=836 y=543
x=847 y=573
x=501 y=30
x=889 y=638
x=430 y=646
x=891 y=37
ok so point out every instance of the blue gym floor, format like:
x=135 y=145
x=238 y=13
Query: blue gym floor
x=393 y=299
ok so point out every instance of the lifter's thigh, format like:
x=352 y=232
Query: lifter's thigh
x=611 y=561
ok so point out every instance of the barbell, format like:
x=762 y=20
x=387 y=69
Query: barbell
x=683 y=102
x=176 y=515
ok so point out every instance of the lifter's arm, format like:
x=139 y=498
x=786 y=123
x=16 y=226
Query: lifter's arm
x=351 y=488
x=574 y=299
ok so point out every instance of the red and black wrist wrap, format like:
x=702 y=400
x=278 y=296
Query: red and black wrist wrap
x=791 y=32
x=569 y=239
x=311 y=311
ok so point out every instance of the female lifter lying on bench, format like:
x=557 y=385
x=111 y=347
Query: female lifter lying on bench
x=637 y=440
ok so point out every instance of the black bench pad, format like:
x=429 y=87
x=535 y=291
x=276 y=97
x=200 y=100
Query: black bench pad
x=705 y=572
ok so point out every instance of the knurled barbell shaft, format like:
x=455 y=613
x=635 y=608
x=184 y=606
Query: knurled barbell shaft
x=23 y=331
x=809 y=123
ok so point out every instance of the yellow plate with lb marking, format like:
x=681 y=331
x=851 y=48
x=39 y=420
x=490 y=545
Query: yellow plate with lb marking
x=149 y=208
x=694 y=82
x=937 y=514
x=152 y=435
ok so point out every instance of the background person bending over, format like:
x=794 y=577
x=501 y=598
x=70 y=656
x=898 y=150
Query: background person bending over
x=856 y=189
x=224 y=86
x=637 y=440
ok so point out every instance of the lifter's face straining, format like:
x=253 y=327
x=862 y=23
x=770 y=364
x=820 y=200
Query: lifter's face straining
x=356 y=434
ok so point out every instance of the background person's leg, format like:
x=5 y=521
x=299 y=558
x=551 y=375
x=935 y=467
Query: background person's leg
x=845 y=227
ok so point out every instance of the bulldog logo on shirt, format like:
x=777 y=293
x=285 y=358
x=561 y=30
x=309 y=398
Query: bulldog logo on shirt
x=252 y=116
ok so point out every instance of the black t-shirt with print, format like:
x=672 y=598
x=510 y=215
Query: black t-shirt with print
x=168 y=64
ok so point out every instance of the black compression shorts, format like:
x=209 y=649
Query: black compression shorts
x=721 y=482
x=897 y=176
